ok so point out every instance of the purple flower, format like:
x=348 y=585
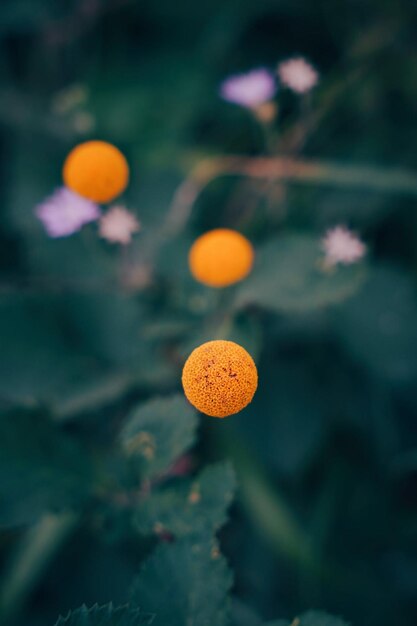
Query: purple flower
x=250 y=89
x=65 y=212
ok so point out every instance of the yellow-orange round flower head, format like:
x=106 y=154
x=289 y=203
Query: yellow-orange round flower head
x=221 y=257
x=96 y=170
x=219 y=378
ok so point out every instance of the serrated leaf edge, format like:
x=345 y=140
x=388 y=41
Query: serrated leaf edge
x=110 y=608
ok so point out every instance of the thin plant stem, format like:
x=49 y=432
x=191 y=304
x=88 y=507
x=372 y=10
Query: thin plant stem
x=32 y=557
x=295 y=171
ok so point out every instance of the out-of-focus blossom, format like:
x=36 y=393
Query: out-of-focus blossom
x=137 y=277
x=341 y=245
x=298 y=74
x=118 y=225
x=84 y=122
x=266 y=112
x=65 y=212
x=69 y=99
x=250 y=89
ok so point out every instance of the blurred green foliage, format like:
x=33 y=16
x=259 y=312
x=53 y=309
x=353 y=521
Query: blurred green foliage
x=318 y=476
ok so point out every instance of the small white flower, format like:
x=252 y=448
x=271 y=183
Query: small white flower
x=297 y=74
x=341 y=245
x=118 y=225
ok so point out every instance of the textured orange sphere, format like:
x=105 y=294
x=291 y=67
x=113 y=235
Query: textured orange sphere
x=221 y=257
x=96 y=170
x=219 y=378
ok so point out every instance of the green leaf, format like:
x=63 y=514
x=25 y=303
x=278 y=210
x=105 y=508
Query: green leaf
x=41 y=468
x=185 y=583
x=194 y=508
x=242 y=614
x=106 y=615
x=379 y=325
x=158 y=431
x=288 y=277
x=32 y=341
x=311 y=618
x=319 y=618
x=296 y=424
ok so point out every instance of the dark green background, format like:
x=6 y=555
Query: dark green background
x=333 y=427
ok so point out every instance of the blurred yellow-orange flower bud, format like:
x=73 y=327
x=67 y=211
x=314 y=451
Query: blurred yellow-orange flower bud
x=219 y=378
x=221 y=257
x=266 y=112
x=96 y=170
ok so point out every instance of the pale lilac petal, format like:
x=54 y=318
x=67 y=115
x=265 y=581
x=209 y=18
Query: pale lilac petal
x=250 y=89
x=298 y=75
x=65 y=212
x=341 y=245
x=118 y=225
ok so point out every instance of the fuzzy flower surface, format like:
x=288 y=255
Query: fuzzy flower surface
x=219 y=378
x=342 y=246
x=118 y=225
x=65 y=212
x=298 y=75
x=250 y=89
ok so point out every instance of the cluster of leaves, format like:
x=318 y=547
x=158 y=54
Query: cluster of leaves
x=185 y=579
x=124 y=616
